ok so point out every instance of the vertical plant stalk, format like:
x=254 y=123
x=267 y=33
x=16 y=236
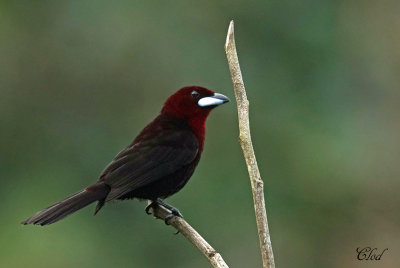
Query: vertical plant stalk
x=257 y=185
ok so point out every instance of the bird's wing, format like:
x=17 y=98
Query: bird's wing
x=149 y=160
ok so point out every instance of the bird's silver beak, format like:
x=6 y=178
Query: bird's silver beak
x=216 y=99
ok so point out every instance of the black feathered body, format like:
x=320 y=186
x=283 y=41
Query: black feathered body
x=157 y=164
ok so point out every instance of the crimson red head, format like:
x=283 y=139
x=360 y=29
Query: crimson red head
x=193 y=102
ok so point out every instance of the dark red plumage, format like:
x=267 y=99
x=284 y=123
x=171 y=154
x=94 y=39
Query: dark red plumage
x=157 y=164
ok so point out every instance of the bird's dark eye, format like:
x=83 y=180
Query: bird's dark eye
x=195 y=94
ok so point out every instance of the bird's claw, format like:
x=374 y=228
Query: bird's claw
x=149 y=206
x=168 y=218
x=176 y=212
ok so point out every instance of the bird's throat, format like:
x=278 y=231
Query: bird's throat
x=198 y=126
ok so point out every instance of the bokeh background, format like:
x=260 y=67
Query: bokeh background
x=79 y=79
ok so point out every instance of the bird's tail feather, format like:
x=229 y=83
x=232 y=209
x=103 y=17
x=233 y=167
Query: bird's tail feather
x=69 y=205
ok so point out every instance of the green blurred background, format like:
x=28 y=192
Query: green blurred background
x=79 y=79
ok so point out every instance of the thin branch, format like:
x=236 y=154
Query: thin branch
x=192 y=235
x=257 y=185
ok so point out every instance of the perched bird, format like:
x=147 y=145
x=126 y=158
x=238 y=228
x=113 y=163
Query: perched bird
x=157 y=164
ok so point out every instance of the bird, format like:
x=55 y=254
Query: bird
x=157 y=164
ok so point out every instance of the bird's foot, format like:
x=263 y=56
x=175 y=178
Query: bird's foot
x=160 y=202
x=174 y=212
